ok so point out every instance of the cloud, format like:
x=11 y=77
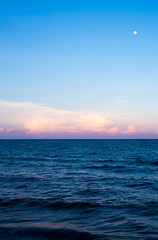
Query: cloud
x=113 y=130
x=10 y=130
x=32 y=120
x=1 y=130
x=35 y=119
x=130 y=130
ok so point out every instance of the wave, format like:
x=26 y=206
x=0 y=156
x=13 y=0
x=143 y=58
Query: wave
x=155 y=163
x=140 y=184
x=50 y=204
x=37 y=233
x=106 y=166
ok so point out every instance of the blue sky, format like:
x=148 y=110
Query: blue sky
x=80 y=57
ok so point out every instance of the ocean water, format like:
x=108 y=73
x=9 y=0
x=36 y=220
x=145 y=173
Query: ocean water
x=78 y=189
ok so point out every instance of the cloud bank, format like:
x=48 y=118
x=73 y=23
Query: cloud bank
x=31 y=120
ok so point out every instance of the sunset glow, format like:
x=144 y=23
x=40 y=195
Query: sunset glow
x=78 y=69
x=34 y=120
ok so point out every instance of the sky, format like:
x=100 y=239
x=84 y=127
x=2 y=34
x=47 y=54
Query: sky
x=74 y=69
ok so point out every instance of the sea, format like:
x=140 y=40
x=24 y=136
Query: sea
x=78 y=189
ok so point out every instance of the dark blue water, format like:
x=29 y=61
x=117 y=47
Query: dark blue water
x=78 y=189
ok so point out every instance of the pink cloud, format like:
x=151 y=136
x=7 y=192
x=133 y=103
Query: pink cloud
x=133 y=130
x=10 y=130
x=1 y=130
x=35 y=120
x=130 y=130
x=113 y=130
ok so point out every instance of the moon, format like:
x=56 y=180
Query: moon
x=135 y=32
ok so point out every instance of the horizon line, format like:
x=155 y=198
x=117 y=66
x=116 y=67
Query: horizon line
x=78 y=139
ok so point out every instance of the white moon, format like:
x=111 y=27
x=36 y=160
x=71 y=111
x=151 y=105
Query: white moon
x=135 y=32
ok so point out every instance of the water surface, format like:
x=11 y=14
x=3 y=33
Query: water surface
x=78 y=189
